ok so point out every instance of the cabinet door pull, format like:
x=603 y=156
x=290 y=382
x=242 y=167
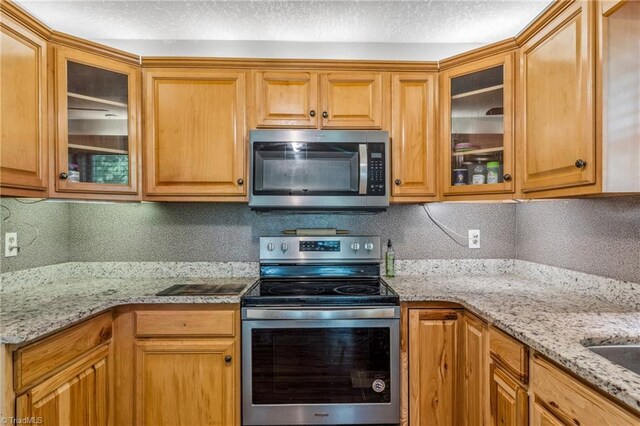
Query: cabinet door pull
x=325 y=114
x=581 y=164
x=240 y=181
x=227 y=358
x=398 y=182
x=63 y=175
x=506 y=177
x=312 y=113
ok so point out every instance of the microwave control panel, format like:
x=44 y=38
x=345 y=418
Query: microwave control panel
x=376 y=184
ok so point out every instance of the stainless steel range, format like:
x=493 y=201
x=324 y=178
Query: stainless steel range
x=320 y=335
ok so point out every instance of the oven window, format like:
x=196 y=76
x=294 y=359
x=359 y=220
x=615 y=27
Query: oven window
x=321 y=365
x=305 y=168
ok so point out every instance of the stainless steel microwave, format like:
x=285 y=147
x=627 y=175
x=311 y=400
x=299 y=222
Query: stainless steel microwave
x=319 y=170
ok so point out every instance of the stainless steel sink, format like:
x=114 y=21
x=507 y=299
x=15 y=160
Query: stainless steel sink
x=627 y=356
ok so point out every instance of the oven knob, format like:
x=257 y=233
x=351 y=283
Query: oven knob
x=355 y=246
x=284 y=246
x=368 y=246
x=271 y=246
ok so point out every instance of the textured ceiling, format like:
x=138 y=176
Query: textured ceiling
x=427 y=21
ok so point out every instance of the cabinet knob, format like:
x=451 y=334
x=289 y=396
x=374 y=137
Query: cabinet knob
x=227 y=358
x=63 y=175
x=398 y=182
x=580 y=164
x=312 y=113
x=506 y=177
x=325 y=114
x=240 y=181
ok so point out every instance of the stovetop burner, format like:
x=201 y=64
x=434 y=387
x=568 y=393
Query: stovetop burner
x=295 y=289
x=356 y=289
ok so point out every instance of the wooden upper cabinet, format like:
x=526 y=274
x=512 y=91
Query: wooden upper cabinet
x=186 y=382
x=195 y=133
x=23 y=83
x=97 y=113
x=557 y=102
x=432 y=366
x=286 y=99
x=351 y=100
x=413 y=136
x=477 y=128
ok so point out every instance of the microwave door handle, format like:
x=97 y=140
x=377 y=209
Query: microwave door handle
x=364 y=169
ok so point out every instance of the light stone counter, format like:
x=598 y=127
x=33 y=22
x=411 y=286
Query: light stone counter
x=552 y=310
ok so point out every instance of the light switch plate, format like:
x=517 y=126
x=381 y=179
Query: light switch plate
x=10 y=244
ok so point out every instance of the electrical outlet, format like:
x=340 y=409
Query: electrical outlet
x=10 y=244
x=474 y=238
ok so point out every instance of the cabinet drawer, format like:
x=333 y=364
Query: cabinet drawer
x=185 y=323
x=38 y=360
x=573 y=402
x=512 y=354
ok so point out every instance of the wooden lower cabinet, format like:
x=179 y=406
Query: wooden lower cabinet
x=77 y=395
x=508 y=399
x=432 y=366
x=185 y=382
x=571 y=402
x=540 y=416
x=472 y=371
x=177 y=365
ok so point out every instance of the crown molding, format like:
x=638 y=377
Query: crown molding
x=310 y=64
x=503 y=46
x=68 y=40
x=20 y=15
x=543 y=19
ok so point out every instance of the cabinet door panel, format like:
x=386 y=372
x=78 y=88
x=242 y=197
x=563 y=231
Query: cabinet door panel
x=473 y=372
x=478 y=127
x=558 y=103
x=195 y=140
x=23 y=125
x=352 y=100
x=509 y=400
x=185 y=382
x=432 y=360
x=287 y=99
x=413 y=135
x=540 y=416
x=78 y=395
x=97 y=120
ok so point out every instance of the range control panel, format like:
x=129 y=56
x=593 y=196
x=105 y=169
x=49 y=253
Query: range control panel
x=325 y=248
x=319 y=246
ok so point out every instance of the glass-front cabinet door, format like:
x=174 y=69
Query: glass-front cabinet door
x=478 y=127
x=97 y=125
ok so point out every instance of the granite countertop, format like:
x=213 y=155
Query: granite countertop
x=554 y=311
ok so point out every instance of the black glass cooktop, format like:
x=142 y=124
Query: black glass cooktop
x=320 y=291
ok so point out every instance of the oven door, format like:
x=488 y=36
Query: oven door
x=314 y=366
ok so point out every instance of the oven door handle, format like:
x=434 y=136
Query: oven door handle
x=364 y=168
x=319 y=314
